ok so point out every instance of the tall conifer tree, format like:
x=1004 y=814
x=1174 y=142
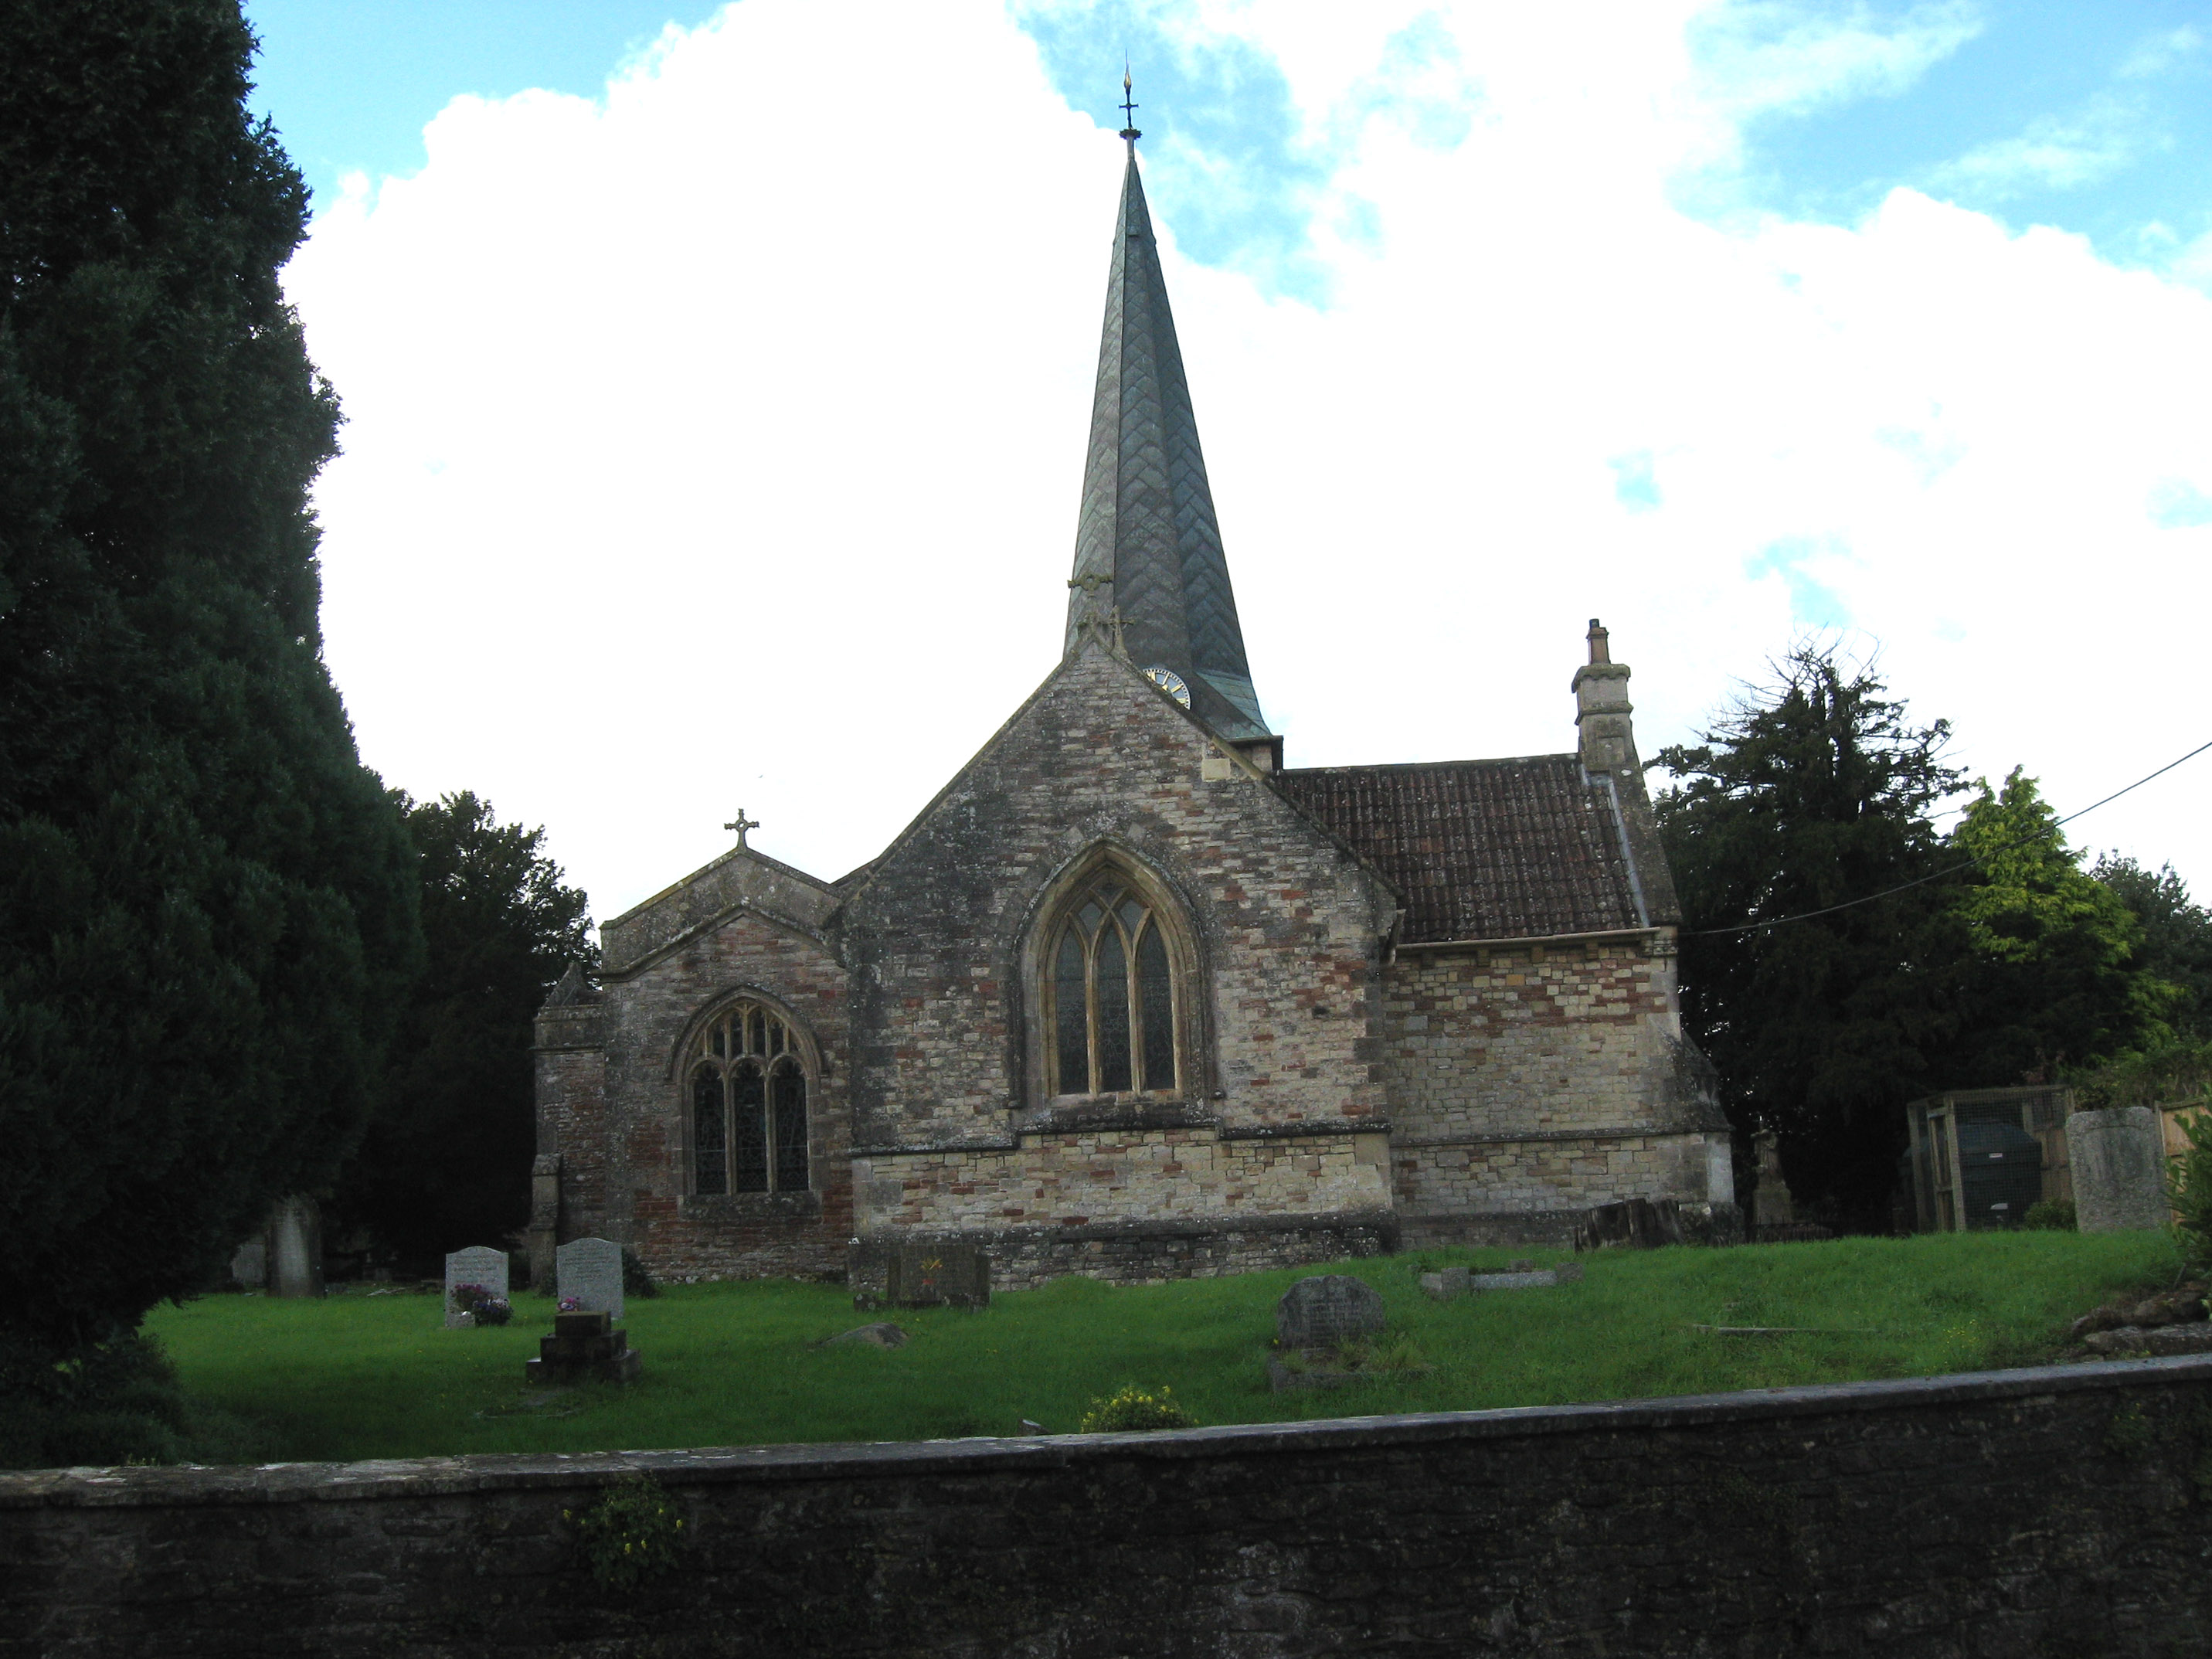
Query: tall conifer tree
x=207 y=905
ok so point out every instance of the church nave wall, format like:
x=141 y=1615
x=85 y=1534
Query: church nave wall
x=1530 y=1040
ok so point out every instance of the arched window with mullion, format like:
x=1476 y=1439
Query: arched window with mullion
x=1111 y=986
x=748 y=1098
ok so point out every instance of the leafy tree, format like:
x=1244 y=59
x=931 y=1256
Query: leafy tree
x=2177 y=938
x=1812 y=793
x=207 y=906
x=447 y=1160
x=2051 y=977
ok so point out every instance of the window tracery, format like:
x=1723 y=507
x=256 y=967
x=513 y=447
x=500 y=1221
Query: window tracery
x=748 y=1095
x=1110 y=992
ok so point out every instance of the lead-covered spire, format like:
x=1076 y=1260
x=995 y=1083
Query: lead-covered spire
x=1147 y=546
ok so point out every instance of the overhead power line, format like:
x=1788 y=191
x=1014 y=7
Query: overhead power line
x=1950 y=869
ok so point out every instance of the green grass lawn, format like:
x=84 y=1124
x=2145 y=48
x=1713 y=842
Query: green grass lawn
x=357 y=1376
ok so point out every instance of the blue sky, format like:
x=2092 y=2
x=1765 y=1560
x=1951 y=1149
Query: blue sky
x=1732 y=324
x=2092 y=118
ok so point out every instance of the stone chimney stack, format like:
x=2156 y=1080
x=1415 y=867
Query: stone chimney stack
x=1601 y=712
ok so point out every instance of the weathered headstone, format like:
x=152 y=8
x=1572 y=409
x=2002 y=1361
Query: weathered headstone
x=937 y=1276
x=1324 y=1312
x=1773 y=1200
x=2119 y=1167
x=479 y=1264
x=1443 y=1287
x=589 y=1273
x=295 y=1248
x=249 y=1263
x=1636 y=1224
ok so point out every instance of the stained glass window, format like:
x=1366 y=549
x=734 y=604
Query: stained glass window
x=709 y=1143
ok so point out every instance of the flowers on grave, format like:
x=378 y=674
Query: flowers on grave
x=1135 y=1408
x=572 y=1304
x=632 y=1534
x=482 y=1305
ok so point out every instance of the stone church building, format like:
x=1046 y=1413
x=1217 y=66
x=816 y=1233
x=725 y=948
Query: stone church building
x=1131 y=999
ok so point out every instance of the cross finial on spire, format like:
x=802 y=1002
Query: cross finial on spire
x=741 y=824
x=1129 y=134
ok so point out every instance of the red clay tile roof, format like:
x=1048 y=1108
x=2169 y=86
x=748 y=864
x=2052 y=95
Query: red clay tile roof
x=1482 y=849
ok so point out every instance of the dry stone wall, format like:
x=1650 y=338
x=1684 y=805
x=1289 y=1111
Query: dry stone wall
x=2053 y=1511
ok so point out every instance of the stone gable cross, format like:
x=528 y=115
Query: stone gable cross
x=742 y=824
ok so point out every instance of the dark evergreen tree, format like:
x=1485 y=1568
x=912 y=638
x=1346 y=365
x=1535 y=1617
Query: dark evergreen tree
x=2175 y=946
x=447 y=1160
x=207 y=906
x=1814 y=792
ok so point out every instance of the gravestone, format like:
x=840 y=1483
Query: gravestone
x=1636 y=1224
x=1443 y=1287
x=2118 y=1159
x=479 y=1264
x=937 y=1276
x=1772 y=1202
x=589 y=1271
x=585 y=1347
x=249 y=1263
x=1327 y=1310
x=295 y=1248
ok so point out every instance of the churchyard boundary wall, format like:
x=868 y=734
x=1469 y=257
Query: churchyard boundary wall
x=2063 y=1509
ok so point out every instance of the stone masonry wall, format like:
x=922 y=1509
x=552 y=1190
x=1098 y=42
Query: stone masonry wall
x=1125 y=1176
x=2039 y=1512
x=1283 y=1020
x=652 y=1013
x=1530 y=1082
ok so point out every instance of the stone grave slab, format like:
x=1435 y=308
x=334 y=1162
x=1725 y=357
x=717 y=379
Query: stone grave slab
x=1327 y=1310
x=937 y=1276
x=480 y=1264
x=589 y=1271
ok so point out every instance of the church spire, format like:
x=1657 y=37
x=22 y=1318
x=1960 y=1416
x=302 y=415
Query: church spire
x=1147 y=550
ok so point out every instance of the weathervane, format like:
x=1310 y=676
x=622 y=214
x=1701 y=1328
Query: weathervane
x=742 y=824
x=1129 y=134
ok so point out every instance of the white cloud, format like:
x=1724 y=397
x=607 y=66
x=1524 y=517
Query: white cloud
x=2052 y=153
x=2162 y=51
x=718 y=444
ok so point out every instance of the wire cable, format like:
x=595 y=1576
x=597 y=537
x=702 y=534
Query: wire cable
x=2044 y=834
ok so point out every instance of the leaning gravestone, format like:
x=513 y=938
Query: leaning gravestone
x=1326 y=1311
x=479 y=1264
x=589 y=1271
x=2119 y=1168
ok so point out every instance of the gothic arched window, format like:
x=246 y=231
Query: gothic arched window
x=748 y=1105
x=1109 y=992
